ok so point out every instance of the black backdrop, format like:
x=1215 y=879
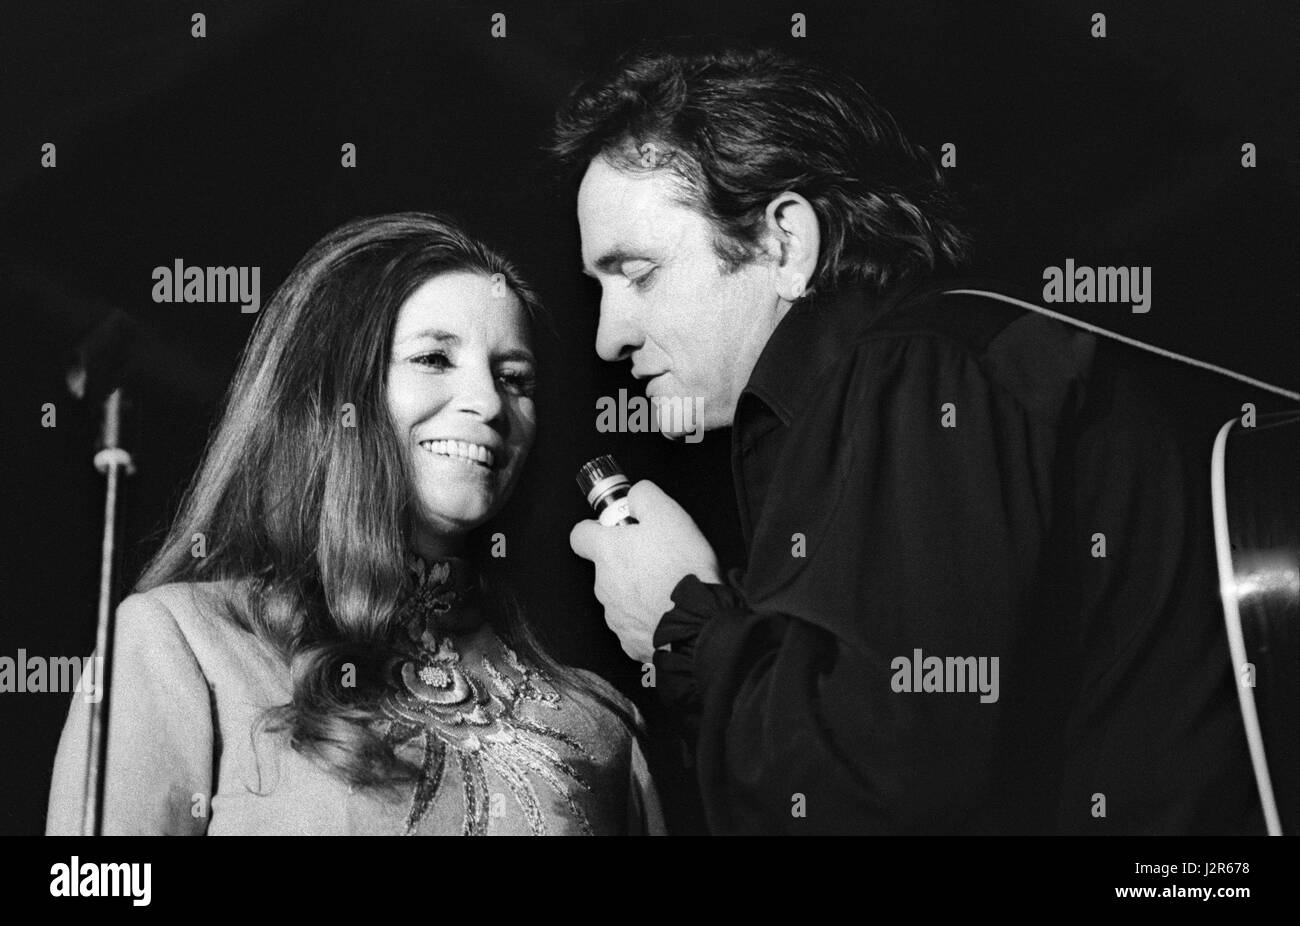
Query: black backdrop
x=225 y=150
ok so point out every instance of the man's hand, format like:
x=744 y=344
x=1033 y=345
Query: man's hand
x=638 y=565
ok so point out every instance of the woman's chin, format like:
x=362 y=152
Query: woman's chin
x=453 y=518
x=452 y=507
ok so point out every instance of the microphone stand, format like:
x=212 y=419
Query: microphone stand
x=98 y=368
x=114 y=461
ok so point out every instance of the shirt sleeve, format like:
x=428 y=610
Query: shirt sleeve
x=928 y=545
x=159 y=774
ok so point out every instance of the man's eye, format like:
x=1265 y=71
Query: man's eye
x=435 y=358
x=641 y=279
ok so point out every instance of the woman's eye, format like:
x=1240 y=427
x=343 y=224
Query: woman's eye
x=519 y=382
x=436 y=359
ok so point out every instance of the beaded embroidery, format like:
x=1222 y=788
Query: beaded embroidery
x=451 y=715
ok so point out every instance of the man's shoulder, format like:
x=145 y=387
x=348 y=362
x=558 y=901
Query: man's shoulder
x=962 y=310
x=1038 y=361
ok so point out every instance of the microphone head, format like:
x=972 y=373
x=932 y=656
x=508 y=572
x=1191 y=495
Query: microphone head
x=606 y=488
x=104 y=357
x=599 y=477
x=596 y=471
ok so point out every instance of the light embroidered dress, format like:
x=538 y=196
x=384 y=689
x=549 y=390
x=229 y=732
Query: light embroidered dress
x=501 y=748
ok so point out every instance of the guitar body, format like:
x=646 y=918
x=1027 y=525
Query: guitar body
x=1255 y=486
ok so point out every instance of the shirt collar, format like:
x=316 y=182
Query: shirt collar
x=812 y=335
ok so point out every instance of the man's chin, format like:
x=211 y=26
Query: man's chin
x=679 y=418
x=690 y=437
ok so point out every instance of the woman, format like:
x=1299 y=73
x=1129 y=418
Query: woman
x=314 y=649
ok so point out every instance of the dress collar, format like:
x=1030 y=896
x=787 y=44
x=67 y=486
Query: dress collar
x=443 y=597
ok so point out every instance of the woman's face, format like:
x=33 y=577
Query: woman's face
x=460 y=386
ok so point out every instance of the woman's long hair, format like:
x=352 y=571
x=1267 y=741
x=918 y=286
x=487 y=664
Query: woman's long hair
x=304 y=491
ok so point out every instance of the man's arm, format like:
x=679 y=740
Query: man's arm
x=931 y=543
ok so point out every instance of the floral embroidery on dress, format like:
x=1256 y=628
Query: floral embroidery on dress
x=452 y=715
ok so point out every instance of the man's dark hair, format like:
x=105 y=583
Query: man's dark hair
x=739 y=127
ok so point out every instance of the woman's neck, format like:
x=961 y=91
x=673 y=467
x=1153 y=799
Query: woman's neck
x=432 y=547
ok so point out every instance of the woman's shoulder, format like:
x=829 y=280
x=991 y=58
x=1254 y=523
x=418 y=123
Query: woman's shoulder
x=615 y=699
x=193 y=622
x=190 y=607
x=645 y=815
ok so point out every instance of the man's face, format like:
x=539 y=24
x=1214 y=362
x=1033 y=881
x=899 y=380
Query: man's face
x=692 y=330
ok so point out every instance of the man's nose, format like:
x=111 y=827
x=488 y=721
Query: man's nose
x=616 y=335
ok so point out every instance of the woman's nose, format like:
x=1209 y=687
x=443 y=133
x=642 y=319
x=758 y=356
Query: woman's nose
x=480 y=392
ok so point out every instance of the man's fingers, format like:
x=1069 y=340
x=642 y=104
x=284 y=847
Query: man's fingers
x=582 y=539
x=644 y=497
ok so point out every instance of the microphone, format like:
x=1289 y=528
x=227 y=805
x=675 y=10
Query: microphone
x=104 y=357
x=100 y=366
x=605 y=486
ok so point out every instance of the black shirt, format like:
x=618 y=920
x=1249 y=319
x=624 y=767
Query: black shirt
x=926 y=476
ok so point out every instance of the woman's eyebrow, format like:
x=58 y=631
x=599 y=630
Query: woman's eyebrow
x=516 y=354
x=435 y=334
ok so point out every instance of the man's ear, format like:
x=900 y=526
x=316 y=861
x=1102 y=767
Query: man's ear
x=794 y=239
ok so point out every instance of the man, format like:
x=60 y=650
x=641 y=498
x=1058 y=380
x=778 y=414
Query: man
x=978 y=596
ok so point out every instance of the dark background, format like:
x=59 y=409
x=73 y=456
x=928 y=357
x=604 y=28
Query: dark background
x=226 y=151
